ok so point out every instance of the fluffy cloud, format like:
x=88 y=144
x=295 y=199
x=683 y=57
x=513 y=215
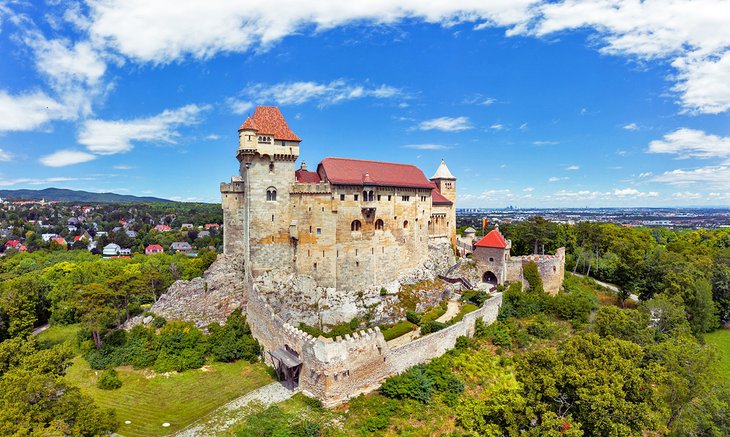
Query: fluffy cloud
x=297 y=93
x=105 y=137
x=556 y=179
x=29 y=111
x=5 y=156
x=692 y=143
x=631 y=126
x=616 y=194
x=446 y=124
x=573 y=168
x=63 y=158
x=709 y=176
x=686 y=195
x=239 y=107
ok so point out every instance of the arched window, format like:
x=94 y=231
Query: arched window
x=378 y=225
x=405 y=224
x=355 y=225
x=364 y=196
x=271 y=194
x=371 y=197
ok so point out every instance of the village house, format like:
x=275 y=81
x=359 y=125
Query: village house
x=111 y=249
x=153 y=248
x=162 y=228
x=181 y=246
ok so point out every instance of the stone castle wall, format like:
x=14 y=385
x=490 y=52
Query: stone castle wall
x=551 y=268
x=335 y=370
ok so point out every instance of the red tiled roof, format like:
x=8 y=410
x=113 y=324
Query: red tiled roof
x=342 y=171
x=492 y=239
x=267 y=120
x=307 y=176
x=152 y=247
x=437 y=198
x=12 y=243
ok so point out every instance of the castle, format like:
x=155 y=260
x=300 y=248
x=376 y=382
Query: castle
x=349 y=224
x=333 y=244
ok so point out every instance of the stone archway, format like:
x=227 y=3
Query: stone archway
x=489 y=278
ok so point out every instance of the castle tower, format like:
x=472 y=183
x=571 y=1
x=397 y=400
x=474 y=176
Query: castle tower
x=446 y=184
x=256 y=203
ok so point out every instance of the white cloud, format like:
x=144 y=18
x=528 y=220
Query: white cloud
x=213 y=137
x=646 y=174
x=545 y=143
x=691 y=143
x=66 y=63
x=239 y=106
x=479 y=99
x=446 y=124
x=556 y=179
x=710 y=176
x=122 y=167
x=427 y=146
x=524 y=126
x=63 y=158
x=39 y=181
x=616 y=194
x=29 y=111
x=159 y=32
x=633 y=192
x=110 y=137
x=5 y=156
x=686 y=195
x=528 y=189
x=297 y=93
x=573 y=167
x=497 y=126
x=631 y=127
x=694 y=36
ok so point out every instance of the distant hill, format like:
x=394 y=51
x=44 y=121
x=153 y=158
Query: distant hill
x=64 y=195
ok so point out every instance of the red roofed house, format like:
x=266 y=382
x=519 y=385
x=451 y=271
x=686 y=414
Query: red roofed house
x=162 y=228
x=60 y=241
x=13 y=244
x=350 y=224
x=152 y=249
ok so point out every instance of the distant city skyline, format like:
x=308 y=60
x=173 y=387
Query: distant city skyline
x=531 y=103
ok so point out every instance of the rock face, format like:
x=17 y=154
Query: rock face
x=203 y=300
x=299 y=299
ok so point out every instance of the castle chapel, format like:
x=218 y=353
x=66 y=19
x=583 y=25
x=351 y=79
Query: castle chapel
x=347 y=224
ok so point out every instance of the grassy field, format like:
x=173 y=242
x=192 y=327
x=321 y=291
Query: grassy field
x=721 y=339
x=149 y=400
x=58 y=334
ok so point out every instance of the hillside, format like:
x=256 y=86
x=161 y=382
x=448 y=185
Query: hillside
x=65 y=195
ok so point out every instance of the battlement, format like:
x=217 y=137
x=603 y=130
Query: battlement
x=311 y=188
x=233 y=187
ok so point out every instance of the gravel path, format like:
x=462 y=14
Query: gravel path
x=225 y=418
x=451 y=311
x=609 y=286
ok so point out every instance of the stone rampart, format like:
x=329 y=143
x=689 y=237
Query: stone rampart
x=551 y=268
x=335 y=370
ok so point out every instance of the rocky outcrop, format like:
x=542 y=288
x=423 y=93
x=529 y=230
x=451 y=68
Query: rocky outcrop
x=298 y=298
x=203 y=300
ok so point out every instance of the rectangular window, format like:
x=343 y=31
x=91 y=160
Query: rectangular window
x=319 y=231
x=378 y=197
x=388 y=197
x=405 y=198
x=355 y=196
x=342 y=197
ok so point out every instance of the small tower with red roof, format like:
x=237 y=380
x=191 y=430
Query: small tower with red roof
x=491 y=255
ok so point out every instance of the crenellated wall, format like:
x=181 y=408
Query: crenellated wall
x=335 y=370
x=551 y=268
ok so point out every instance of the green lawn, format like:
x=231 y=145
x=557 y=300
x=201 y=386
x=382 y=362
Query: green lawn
x=58 y=334
x=149 y=400
x=721 y=339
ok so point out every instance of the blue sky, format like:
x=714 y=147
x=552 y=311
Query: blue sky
x=590 y=103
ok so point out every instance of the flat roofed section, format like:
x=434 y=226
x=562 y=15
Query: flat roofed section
x=286 y=358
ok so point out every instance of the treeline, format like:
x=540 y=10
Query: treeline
x=75 y=286
x=692 y=266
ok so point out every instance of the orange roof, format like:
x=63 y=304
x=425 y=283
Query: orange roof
x=493 y=239
x=267 y=120
x=306 y=176
x=341 y=171
x=437 y=198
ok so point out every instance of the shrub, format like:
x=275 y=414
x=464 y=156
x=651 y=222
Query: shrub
x=383 y=291
x=432 y=326
x=109 y=380
x=433 y=314
x=413 y=384
x=158 y=322
x=543 y=329
x=400 y=328
x=477 y=297
x=413 y=317
x=233 y=340
x=575 y=307
x=465 y=309
x=532 y=276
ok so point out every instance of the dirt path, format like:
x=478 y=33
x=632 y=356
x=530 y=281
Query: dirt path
x=609 y=286
x=224 y=419
x=405 y=338
x=40 y=329
x=451 y=311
